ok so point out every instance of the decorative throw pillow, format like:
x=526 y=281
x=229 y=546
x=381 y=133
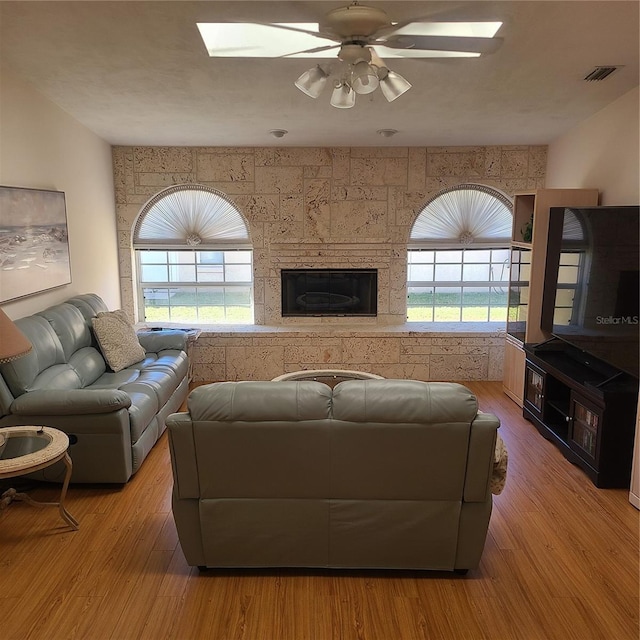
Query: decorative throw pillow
x=117 y=339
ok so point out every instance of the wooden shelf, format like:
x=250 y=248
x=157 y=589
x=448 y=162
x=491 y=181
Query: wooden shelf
x=529 y=329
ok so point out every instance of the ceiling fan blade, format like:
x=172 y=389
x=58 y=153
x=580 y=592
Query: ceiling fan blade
x=310 y=52
x=441 y=43
x=289 y=27
x=258 y=40
x=450 y=10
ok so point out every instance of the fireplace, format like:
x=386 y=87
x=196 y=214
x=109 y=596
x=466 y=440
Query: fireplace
x=329 y=292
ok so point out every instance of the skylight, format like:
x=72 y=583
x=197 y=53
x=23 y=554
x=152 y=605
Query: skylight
x=248 y=40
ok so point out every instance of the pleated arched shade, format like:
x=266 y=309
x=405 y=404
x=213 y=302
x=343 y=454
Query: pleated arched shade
x=189 y=215
x=465 y=214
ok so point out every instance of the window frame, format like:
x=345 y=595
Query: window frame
x=193 y=241
x=463 y=285
x=461 y=242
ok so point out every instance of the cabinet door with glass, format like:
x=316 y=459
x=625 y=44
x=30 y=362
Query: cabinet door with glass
x=534 y=390
x=584 y=434
x=519 y=293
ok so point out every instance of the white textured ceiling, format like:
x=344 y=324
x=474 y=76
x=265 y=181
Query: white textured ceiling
x=137 y=73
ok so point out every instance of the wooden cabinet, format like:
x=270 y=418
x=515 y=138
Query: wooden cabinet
x=586 y=407
x=513 y=381
x=529 y=245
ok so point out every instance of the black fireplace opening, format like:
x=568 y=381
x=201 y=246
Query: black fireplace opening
x=329 y=292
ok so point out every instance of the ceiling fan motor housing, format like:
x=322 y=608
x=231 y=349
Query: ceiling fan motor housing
x=354 y=53
x=355 y=23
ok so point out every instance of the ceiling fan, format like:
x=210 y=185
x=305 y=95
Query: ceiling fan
x=360 y=35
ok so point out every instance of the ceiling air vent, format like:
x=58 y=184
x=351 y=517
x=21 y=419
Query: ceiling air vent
x=599 y=73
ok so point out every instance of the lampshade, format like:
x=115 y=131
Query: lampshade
x=343 y=96
x=362 y=72
x=364 y=78
x=393 y=85
x=13 y=343
x=312 y=81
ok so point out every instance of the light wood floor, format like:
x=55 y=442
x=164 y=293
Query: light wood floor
x=561 y=562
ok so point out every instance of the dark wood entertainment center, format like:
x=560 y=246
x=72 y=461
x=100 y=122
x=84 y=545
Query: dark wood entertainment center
x=574 y=376
x=585 y=406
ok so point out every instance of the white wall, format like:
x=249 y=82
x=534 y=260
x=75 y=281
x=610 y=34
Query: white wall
x=42 y=147
x=602 y=152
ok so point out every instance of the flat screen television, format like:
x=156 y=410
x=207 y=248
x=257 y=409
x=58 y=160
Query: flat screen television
x=592 y=282
x=329 y=292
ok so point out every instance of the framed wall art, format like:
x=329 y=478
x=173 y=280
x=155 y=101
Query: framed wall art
x=34 y=242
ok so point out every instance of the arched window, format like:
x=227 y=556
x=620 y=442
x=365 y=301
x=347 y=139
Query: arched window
x=193 y=258
x=458 y=257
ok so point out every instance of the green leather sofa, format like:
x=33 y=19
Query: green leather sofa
x=113 y=419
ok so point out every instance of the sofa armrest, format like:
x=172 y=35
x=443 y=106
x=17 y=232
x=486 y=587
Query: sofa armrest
x=155 y=341
x=482 y=445
x=183 y=456
x=70 y=402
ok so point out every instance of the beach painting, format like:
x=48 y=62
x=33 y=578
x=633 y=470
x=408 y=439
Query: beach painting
x=34 y=242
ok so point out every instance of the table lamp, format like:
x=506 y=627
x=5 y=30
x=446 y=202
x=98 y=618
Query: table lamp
x=13 y=343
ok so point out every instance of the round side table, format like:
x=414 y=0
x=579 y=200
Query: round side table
x=329 y=377
x=27 y=449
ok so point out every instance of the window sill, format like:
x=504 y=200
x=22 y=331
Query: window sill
x=436 y=329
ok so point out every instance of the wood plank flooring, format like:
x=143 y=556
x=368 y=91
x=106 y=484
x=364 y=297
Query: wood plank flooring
x=560 y=562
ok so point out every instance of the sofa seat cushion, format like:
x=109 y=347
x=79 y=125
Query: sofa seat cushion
x=110 y=380
x=175 y=361
x=58 y=376
x=161 y=381
x=117 y=339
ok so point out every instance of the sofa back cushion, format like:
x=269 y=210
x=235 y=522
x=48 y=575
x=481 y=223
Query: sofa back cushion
x=89 y=305
x=401 y=439
x=403 y=401
x=261 y=439
x=363 y=440
x=62 y=356
x=76 y=339
x=46 y=358
x=70 y=327
x=260 y=401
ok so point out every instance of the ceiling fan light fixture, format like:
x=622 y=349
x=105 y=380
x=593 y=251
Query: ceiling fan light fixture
x=393 y=85
x=364 y=78
x=359 y=33
x=312 y=81
x=343 y=96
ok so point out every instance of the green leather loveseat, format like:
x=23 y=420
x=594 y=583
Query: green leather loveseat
x=369 y=474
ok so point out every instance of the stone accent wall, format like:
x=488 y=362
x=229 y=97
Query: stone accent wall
x=394 y=352
x=319 y=207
